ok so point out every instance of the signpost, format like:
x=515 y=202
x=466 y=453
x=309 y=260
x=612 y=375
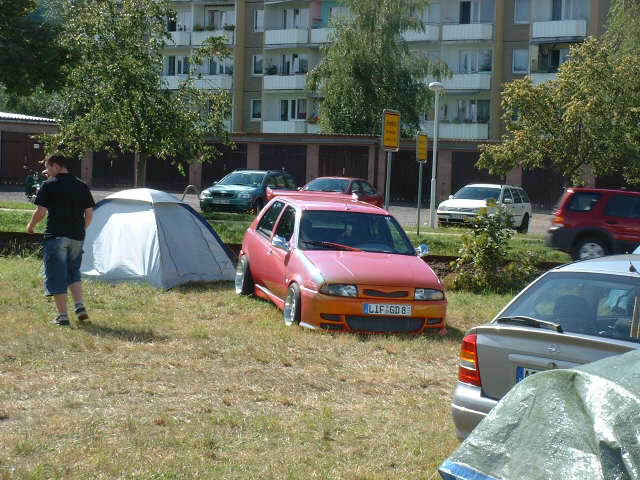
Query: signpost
x=390 y=143
x=421 y=157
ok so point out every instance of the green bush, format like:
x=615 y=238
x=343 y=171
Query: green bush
x=482 y=265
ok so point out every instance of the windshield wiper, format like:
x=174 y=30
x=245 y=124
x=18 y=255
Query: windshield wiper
x=332 y=244
x=531 y=322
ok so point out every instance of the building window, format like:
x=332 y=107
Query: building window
x=474 y=61
x=256 y=65
x=521 y=14
x=477 y=11
x=520 y=60
x=170 y=68
x=256 y=110
x=258 y=21
x=183 y=65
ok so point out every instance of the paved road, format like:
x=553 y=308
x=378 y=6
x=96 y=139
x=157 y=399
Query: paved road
x=407 y=216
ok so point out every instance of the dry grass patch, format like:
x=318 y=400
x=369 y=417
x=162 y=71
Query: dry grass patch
x=197 y=382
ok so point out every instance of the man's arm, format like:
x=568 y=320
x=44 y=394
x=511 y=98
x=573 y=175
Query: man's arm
x=88 y=217
x=36 y=218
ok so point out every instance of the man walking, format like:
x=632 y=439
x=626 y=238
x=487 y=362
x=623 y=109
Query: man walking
x=69 y=205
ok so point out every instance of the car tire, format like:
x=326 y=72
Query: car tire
x=292 y=310
x=524 y=226
x=590 y=247
x=244 y=280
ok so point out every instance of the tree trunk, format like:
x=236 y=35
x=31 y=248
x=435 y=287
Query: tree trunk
x=139 y=170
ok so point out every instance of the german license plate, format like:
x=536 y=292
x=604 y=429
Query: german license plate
x=522 y=373
x=387 y=309
x=222 y=201
x=457 y=216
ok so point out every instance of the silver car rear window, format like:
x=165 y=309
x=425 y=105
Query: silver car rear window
x=588 y=303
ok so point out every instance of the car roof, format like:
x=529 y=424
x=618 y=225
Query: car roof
x=337 y=178
x=312 y=202
x=601 y=190
x=260 y=171
x=614 y=264
x=490 y=185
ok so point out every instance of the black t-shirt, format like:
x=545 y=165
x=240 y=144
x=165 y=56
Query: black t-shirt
x=66 y=198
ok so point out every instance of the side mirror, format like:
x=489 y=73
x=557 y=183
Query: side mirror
x=280 y=242
x=422 y=250
x=450 y=197
x=507 y=201
x=299 y=188
x=214 y=183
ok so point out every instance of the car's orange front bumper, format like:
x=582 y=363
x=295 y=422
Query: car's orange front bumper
x=346 y=314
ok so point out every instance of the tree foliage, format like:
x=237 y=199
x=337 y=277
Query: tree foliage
x=368 y=67
x=29 y=53
x=587 y=117
x=113 y=95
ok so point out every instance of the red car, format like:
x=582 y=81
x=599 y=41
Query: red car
x=593 y=222
x=339 y=265
x=336 y=187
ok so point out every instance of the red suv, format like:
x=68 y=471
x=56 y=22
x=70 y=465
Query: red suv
x=593 y=222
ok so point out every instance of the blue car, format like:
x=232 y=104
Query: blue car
x=244 y=190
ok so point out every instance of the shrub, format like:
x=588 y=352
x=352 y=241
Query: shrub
x=482 y=263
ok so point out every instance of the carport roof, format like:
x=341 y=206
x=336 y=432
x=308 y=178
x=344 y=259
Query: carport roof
x=18 y=117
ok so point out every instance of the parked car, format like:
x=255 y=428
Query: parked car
x=363 y=190
x=244 y=190
x=593 y=222
x=467 y=202
x=572 y=315
x=339 y=265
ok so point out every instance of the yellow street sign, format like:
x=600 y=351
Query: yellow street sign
x=422 y=140
x=391 y=130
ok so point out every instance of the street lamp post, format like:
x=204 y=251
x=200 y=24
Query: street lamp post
x=437 y=87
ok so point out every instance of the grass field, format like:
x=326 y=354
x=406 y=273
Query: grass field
x=199 y=383
x=17 y=205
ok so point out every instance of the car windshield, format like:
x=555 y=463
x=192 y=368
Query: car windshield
x=588 y=303
x=477 y=193
x=327 y=185
x=329 y=230
x=249 y=179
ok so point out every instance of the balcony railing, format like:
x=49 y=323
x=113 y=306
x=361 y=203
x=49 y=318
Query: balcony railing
x=285 y=82
x=430 y=34
x=214 y=82
x=465 y=81
x=538 y=78
x=291 y=126
x=321 y=35
x=199 y=37
x=179 y=38
x=559 y=29
x=470 y=31
x=462 y=131
x=288 y=36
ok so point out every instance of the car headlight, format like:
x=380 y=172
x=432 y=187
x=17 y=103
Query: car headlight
x=428 y=294
x=244 y=195
x=205 y=194
x=340 y=290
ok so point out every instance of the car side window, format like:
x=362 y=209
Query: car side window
x=516 y=195
x=289 y=181
x=280 y=181
x=506 y=193
x=626 y=206
x=583 y=201
x=356 y=187
x=286 y=224
x=367 y=188
x=271 y=181
x=268 y=220
x=525 y=197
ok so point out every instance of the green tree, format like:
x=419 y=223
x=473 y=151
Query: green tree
x=368 y=67
x=587 y=117
x=623 y=27
x=29 y=53
x=113 y=95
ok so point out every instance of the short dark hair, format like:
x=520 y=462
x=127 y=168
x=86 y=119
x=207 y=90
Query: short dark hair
x=58 y=159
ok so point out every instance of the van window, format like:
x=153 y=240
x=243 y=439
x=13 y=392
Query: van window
x=516 y=195
x=583 y=201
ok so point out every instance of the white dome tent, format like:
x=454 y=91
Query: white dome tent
x=150 y=236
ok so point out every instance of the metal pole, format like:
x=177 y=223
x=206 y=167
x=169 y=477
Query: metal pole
x=432 y=202
x=387 y=187
x=419 y=197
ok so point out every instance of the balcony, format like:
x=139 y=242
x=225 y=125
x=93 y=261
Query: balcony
x=460 y=131
x=313 y=128
x=291 y=126
x=538 y=78
x=321 y=35
x=214 y=82
x=285 y=82
x=180 y=38
x=292 y=36
x=559 y=29
x=198 y=38
x=470 y=31
x=465 y=81
x=173 y=82
x=430 y=34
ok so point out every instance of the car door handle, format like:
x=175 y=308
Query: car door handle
x=270 y=251
x=611 y=222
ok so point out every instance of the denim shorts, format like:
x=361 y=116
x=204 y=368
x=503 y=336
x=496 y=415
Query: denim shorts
x=62 y=259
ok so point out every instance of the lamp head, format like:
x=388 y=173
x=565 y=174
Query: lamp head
x=436 y=87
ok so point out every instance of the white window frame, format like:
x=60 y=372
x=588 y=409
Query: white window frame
x=253 y=65
x=513 y=61
x=515 y=13
x=252 y=102
x=258 y=21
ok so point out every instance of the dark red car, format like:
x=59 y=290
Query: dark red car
x=348 y=186
x=593 y=222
